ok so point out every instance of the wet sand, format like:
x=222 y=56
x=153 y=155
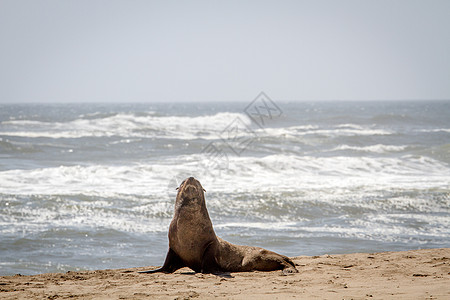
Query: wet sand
x=418 y=274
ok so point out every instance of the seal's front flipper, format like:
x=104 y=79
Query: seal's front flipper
x=209 y=261
x=172 y=263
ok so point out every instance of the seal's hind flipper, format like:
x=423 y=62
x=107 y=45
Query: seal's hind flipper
x=172 y=263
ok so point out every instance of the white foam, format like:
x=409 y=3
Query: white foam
x=352 y=132
x=384 y=227
x=435 y=130
x=257 y=225
x=351 y=126
x=288 y=172
x=309 y=130
x=379 y=148
x=88 y=215
x=92 y=180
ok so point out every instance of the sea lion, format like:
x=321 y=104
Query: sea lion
x=194 y=244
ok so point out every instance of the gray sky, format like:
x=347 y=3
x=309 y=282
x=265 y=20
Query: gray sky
x=83 y=51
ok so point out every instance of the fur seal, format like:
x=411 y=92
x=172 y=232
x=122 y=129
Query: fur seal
x=194 y=244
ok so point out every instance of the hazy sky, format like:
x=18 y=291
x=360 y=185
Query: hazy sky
x=82 y=51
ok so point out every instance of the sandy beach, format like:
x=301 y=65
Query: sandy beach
x=418 y=274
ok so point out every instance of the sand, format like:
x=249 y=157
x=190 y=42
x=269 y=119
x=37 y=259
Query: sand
x=419 y=274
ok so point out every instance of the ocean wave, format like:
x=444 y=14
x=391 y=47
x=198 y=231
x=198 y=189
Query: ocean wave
x=384 y=228
x=7 y=146
x=82 y=214
x=180 y=127
x=333 y=174
x=257 y=225
x=279 y=211
x=350 y=126
x=126 y=125
x=236 y=174
x=447 y=130
x=379 y=148
x=311 y=130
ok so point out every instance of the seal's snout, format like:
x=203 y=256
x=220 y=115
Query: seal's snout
x=190 y=180
x=190 y=191
x=189 y=188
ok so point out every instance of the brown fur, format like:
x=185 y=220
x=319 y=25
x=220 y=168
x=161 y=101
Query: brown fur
x=194 y=244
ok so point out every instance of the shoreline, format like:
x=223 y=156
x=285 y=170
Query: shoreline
x=414 y=274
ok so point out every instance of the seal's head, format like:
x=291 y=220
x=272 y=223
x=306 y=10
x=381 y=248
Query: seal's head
x=190 y=189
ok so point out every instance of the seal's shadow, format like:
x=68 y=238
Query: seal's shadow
x=221 y=275
x=224 y=275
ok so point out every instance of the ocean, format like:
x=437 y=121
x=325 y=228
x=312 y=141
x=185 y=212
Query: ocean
x=92 y=186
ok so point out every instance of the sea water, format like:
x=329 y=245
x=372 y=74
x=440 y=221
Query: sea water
x=92 y=186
